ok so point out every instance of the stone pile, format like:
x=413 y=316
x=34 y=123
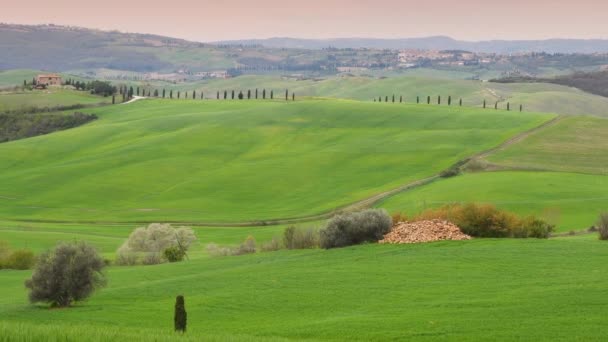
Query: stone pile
x=424 y=231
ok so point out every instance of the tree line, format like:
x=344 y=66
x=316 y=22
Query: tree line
x=438 y=101
x=129 y=92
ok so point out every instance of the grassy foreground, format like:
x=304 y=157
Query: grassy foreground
x=533 y=290
x=227 y=161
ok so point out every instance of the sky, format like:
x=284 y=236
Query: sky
x=204 y=20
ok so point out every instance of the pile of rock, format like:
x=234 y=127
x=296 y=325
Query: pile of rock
x=424 y=231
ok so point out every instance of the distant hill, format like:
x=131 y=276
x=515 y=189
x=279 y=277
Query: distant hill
x=436 y=43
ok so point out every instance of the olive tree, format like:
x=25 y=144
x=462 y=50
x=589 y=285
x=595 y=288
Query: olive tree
x=70 y=272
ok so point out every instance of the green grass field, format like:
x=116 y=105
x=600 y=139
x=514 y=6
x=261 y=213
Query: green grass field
x=532 y=290
x=51 y=97
x=234 y=161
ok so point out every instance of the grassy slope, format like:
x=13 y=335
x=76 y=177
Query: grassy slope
x=51 y=97
x=575 y=144
x=228 y=161
x=529 y=290
x=573 y=201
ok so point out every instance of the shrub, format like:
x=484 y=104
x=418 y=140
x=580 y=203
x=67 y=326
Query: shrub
x=147 y=245
x=300 y=238
x=451 y=172
x=70 y=272
x=355 y=228
x=21 y=259
x=247 y=247
x=602 y=226
x=174 y=254
x=485 y=220
x=215 y=250
x=272 y=245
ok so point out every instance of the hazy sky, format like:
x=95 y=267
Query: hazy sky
x=204 y=20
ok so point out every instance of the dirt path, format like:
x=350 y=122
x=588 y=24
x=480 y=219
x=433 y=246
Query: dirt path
x=134 y=99
x=362 y=204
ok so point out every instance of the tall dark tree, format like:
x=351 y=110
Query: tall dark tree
x=171 y=94
x=256 y=93
x=248 y=94
x=163 y=93
x=155 y=92
x=233 y=94
x=418 y=99
x=484 y=103
x=439 y=99
x=264 y=94
x=24 y=83
x=521 y=108
x=386 y=99
x=379 y=98
x=180 y=318
x=137 y=91
x=241 y=95
x=428 y=100
x=508 y=106
x=293 y=96
x=286 y=94
x=194 y=94
x=450 y=100
x=130 y=92
x=393 y=98
x=496 y=105
x=272 y=94
x=113 y=99
x=225 y=94
x=218 y=94
x=401 y=99
x=179 y=94
x=460 y=102
x=202 y=95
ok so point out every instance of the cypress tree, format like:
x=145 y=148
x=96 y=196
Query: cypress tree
x=256 y=93
x=137 y=91
x=33 y=81
x=379 y=98
x=233 y=94
x=180 y=318
x=293 y=96
x=178 y=94
x=248 y=94
x=225 y=94
x=163 y=93
x=24 y=83
x=171 y=94
x=484 y=103
x=418 y=99
x=460 y=103
x=428 y=100
x=241 y=95
x=218 y=94
x=439 y=99
x=496 y=105
x=393 y=98
x=194 y=94
x=130 y=92
x=272 y=94
x=450 y=100
x=264 y=94
x=521 y=108
x=286 y=94
x=386 y=99
x=401 y=99
x=508 y=106
x=113 y=99
x=202 y=95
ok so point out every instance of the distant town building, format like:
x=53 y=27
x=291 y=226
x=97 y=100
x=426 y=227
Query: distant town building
x=48 y=80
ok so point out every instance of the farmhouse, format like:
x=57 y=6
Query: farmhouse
x=48 y=80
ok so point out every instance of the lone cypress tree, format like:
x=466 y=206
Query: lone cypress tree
x=460 y=103
x=180 y=318
x=450 y=100
x=439 y=99
x=428 y=99
x=286 y=94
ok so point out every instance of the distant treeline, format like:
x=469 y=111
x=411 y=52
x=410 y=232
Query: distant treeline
x=14 y=126
x=591 y=82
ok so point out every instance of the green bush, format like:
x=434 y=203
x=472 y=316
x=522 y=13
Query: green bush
x=174 y=254
x=300 y=238
x=21 y=259
x=602 y=226
x=485 y=220
x=272 y=245
x=355 y=228
x=247 y=247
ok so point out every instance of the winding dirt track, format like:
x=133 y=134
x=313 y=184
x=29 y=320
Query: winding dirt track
x=362 y=204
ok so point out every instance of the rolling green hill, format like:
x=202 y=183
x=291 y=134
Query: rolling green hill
x=52 y=97
x=500 y=290
x=231 y=161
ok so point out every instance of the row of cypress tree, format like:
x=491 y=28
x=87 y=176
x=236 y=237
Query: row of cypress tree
x=393 y=99
x=128 y=93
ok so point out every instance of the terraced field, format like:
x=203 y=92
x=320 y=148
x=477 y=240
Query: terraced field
x=232 y=161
